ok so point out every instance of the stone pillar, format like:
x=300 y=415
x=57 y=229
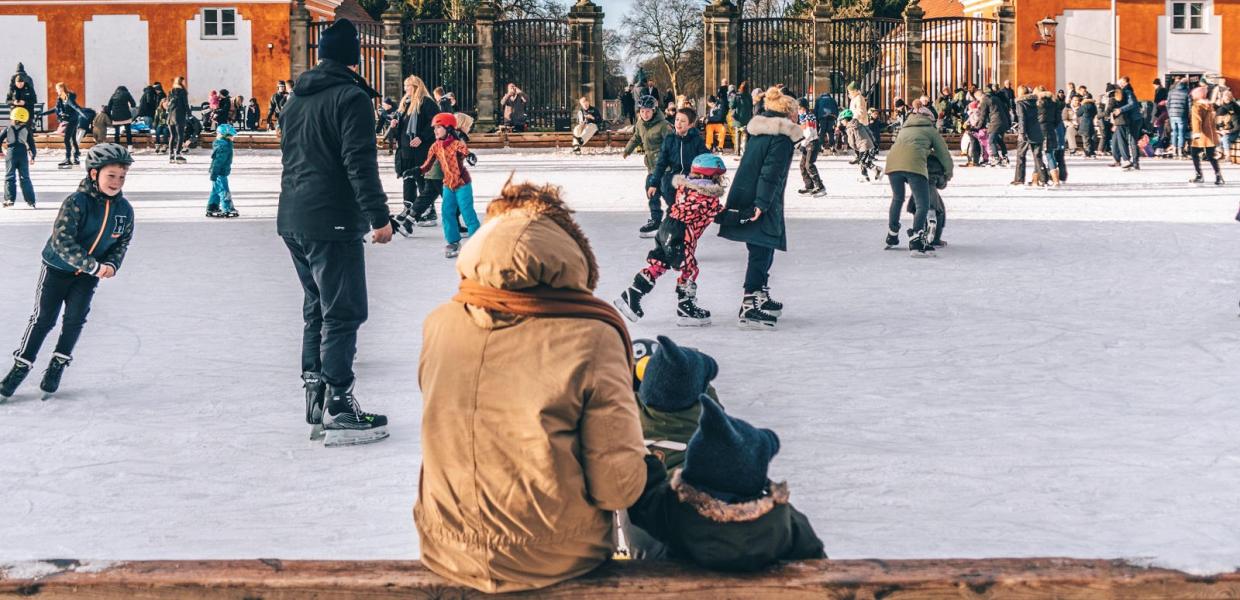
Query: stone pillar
x=719 y=47
x=1007 y=42
x=484 y=23
x=585 y=24
x=299 y=39
x=914 y=71
x=823 y=11
x=393 y=55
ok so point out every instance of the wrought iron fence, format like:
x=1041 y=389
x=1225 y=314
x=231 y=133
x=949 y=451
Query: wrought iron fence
x=535 y=55
x=776 y=50
x=872 y=53
x=958 y=51
x=443 y=54
x=371 y=65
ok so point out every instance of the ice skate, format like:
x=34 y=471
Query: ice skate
x=1218 y=179
x=893 y=239
x=7 y=203
x=214 y=213
x=452 y=250
x=428 y=219
x=650 y=229
x=630 y=301
x=819 y=192
x=67 y=164
x=51 y=377
x=21 y=368
x=807 y=190
x=753 y=317
x=767 y=305
x=918 y=246
x=1197 y=179
x=316 y=390
x=688 y=313
x=346 y=424
x=230 y=214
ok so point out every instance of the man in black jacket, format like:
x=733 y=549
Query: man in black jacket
x=330 y=197
x=997 y=118
x=1031 y=138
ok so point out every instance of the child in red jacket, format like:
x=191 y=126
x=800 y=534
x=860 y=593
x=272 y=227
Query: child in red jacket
x=697 y=203
x=449 y=155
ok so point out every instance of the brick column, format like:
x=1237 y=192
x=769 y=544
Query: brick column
x=393 y=55
x=484 y=23
x=823 y=11
x=720 y=44
x=1007 y=42
x=299 y=39
x=914 y=73
x=585 y=24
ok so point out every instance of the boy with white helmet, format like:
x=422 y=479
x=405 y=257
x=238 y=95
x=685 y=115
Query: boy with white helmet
x=88 y=243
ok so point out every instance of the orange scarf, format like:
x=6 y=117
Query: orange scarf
x=547 y=302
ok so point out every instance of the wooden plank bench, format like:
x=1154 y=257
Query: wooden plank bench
x=271 y=579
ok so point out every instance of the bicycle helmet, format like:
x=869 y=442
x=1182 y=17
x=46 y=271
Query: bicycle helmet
x=226 y=130
x=846 y=114
x=709 y=165
x=20 y=115
x=647 y=102
x=102 y=155
x=444 y=119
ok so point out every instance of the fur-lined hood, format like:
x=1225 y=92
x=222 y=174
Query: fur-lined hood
x=768 y=125
x=529 y=239
x=722 y=512
x=702 y=186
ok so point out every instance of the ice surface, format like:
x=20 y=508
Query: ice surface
x=1061 y=380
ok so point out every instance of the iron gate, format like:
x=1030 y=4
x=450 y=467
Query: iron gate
x=535 y=55
x=444 y=54
x=371 y=65
x=958 y=51
x=777 y=50
x=870 y=52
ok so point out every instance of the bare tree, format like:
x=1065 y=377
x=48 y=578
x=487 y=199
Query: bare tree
x=666 y=30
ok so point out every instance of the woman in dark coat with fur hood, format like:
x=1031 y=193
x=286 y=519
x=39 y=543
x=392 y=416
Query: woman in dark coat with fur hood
x=415 y=136
x=755 y=209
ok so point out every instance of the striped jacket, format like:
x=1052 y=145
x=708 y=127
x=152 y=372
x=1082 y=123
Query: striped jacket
x=91 y=230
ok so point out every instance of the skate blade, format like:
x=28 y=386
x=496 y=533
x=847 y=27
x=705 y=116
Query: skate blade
x=427 y=223
x=337 y=438
x=623 y=307
x=921 y=254
x=47 y=396
x=405 y=234
x=316 y=433
x=691 y=322
x=755 y=325
x=646 y=235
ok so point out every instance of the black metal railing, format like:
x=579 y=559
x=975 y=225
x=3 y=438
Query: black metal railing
x=535 y=54
x=958 y=52
x=444 y=54
x=871 y=52
x=776 y=50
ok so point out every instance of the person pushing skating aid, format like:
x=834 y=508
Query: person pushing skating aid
x=88 y=243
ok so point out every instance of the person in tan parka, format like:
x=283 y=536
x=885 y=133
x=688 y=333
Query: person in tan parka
x=530 y=428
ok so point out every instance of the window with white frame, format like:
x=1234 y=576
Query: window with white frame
x=1188 y=16
x=219 y=23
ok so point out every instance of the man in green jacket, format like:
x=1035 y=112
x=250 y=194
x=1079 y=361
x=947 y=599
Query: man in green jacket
x=918 y=142
x=648 y=133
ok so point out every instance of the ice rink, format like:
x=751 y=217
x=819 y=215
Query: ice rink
x=1062 y=380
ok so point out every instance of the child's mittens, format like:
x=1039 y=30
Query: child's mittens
x=471 y=159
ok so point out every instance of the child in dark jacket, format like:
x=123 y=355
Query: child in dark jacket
x=220 y=203
x=697 y=203
x=720 y=511
x=449 y=155
x=19 y=152
x=88 y=243
x=672 y=380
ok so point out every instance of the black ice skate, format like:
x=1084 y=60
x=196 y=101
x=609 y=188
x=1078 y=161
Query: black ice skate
x=345 y=424
x=809 y=189
x=650 y=229
x=67 y=164
x=893 y=239
x=767 y=305
x=7 y=203
x=1218 y=179
x=1197 y=179
x=630 y=301
x=404 y=223
x=316 y=391
x=214 y=213
x=51 y=377
x=753 y=317
x=428 y=219
x=230 y=214
x=21 y=368
x=688 y=313
x=452 y=250
x=819 y=192
x=919 y=247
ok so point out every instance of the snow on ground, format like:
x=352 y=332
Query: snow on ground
x=1061 y=380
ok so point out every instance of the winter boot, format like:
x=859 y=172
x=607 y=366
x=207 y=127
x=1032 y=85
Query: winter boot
x=767 y=305
x=452 y=250
x=1055 y=178
x=893 y=239
x=919 y=246
x=21 y=368
x=51 y=377
x=753 y=317
x=346 y=424
x=316 y=391
x=650 y=229
x=630 y=301
x=688 y=313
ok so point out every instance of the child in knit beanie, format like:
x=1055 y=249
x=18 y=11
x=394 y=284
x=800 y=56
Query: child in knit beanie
x=672 y=380
x=720 y=511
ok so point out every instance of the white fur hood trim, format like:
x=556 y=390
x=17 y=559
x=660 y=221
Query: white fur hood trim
x=764 y=125
x=703 y=186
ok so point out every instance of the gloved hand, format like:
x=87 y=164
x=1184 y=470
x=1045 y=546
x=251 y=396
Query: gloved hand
x=471 y=158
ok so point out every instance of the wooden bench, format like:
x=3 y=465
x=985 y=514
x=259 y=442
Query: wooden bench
x=271 y=579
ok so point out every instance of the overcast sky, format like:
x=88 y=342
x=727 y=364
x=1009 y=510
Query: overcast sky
x=613 y=11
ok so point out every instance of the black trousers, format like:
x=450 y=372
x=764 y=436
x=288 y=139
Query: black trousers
x=1209 y=155
x=116 y=134
x=998 y=146
x=758 y=271
x=333 y=278
x=1091 y=141
x=809 y=168
x=72 y=150
x=178 y=131
x=58 y=289
x=420 y=193
x=1024 y=148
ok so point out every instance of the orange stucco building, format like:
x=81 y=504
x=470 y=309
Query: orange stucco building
x=1095 y=40
x=242 y=46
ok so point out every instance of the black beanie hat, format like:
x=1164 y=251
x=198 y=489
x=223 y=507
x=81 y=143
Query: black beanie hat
x=727 y=457
x=340 y=43
x=675 y=377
